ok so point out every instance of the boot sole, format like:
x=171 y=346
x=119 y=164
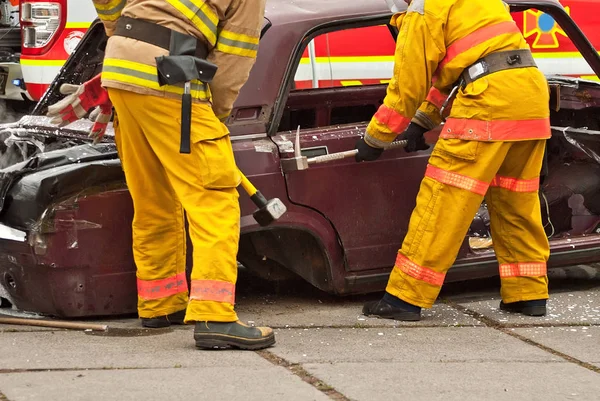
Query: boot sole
x=212 y=341
x=405 y=317
x=534 y=311
x=528 y=310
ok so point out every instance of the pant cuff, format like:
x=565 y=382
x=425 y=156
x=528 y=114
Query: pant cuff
x=149 y=314
x=524 y=297
x=210 y=317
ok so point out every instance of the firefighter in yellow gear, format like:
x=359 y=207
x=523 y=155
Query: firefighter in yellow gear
x=148 y=39
x=491 y=145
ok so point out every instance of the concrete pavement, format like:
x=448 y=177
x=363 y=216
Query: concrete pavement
x=463 y=349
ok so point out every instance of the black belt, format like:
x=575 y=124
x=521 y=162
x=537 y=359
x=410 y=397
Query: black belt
x=153 y=34
x=498 y=61
x=494 y=62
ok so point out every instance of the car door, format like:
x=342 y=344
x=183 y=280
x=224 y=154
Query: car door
x=369 y=203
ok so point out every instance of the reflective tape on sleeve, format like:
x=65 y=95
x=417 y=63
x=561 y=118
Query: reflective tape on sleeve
x=237 y=43
x=213 y=290
x=456 y=180
x=515 y=184
x=110 y=11
x=523 y=270
x=395 y=121
x=162 y=288
x=201 y=15
x=420 y=273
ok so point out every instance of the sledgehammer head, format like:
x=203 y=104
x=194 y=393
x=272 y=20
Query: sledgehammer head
x=268 y=210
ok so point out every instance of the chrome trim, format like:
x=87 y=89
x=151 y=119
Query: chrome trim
x=248 y=136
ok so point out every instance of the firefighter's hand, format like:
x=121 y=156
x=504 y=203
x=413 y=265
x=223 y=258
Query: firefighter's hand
x=366 y=152
x=79 y=101
x=101 y=117
x=414 y=137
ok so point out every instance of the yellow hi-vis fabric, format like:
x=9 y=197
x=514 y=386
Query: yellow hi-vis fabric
x=460 y=173
x=229 y=28
x=163 y=184
x=437 y=40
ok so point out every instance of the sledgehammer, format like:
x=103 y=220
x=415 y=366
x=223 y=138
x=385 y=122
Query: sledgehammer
x=268 y=210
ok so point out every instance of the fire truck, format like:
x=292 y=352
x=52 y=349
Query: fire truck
x=37 y=37
x=364 y=56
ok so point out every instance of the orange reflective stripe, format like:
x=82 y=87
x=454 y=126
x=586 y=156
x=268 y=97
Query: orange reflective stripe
x=436 y=97
x=456 y=180
x=213 y=290
x=496 y=130
x=395 y=121
x=515 y=184
x=419 y=272
x=522 y=270
x=162 y=288
x=476 y=38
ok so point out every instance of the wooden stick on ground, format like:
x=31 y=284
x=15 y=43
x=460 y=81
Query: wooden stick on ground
x=53 y=323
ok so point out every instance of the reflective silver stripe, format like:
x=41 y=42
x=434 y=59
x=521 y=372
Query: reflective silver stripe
x=148 y=77
x=374 y=142
x=424 y=120
x=200 y=14
x=238 y=43
x=116 y=9
x=129 y=71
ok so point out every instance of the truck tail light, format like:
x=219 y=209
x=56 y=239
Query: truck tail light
x=41 y=24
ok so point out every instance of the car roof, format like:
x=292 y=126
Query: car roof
x=281 y=12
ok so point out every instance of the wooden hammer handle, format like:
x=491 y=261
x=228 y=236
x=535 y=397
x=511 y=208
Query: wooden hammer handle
x=53 y=323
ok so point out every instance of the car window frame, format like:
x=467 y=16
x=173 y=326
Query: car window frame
x=301 y=45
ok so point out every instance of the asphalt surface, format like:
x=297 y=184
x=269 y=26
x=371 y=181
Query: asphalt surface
x=464 y=348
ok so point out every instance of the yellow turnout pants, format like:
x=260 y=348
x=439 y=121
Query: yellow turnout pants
x=163 y=183
x=460 y=173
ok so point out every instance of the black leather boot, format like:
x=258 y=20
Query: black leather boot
x=164 y=321
x=536 y=307
x=386 y=310
x=209 y=335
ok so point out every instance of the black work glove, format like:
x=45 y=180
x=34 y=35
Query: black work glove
x=414 y=135
x=366 y=152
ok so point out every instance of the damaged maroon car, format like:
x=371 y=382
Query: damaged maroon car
x=65 y=233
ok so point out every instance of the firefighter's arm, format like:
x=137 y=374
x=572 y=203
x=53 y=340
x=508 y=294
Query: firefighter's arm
x=235 y=52
x=418 y=52
x=109 y=11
